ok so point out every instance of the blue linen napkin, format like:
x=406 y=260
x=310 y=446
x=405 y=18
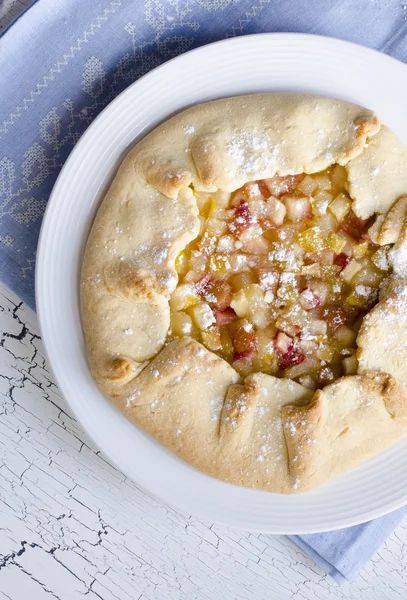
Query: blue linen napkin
x=65 y=60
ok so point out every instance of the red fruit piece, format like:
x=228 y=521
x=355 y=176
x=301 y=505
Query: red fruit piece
x=342 y=260
x=242 y=220
x=243 y=355
x=354 y=226
x=218 y=293
x=334 y=316
x=202 y=285
x=224 y=317
x=292 y=357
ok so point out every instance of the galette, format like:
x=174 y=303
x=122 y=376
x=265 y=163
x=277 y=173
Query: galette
x=244 y=288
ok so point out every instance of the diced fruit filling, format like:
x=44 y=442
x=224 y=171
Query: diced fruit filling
x=280 y=277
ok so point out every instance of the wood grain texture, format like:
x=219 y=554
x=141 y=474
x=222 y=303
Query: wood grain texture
x=73 y=525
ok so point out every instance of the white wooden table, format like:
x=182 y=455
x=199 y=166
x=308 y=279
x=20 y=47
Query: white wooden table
x=71 y=525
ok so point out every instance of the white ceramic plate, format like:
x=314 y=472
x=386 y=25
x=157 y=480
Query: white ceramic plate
x=267 y=62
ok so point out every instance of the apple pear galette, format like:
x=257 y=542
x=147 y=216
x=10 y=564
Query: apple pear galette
x=244 y=294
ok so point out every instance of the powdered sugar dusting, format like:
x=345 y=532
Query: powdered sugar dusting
x=398 y=260
x=252 y=152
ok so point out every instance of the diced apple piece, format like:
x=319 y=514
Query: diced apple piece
x=219 y=293
x=219 y=263
x=251 y=233
x=339 y=176
x=317 y=327
x=243 y=363
x=192 y=276
x=181 y=263
x=225 y=316
x=345 y=335
x=181 y=323
x=242 y=280
x=350 y=365
x=203 y=315
x=354 y=226
x=244 y=224
x=288 y=288
x=202 y=285
x=216 y=226
x=207 y=243
x=311 y=239
x=369 y=275
x=268 y=280
x=321 y=202
x=211 y=339
x=254 y=294
x=342 y=260
x=330 y=273
x=242 y=262
x=323 y=182
x=240 y=304
x=259 y=309
x=307 y=185
x=198 y=260
x=275 y=211
x=327 y=257
x=360 y=297
x=380 y=259
x=349 y=272
x=360 y=250
x=265 y=192
x=227 y=345
x=258 y=245
x=279 y=185
x=242 y=335
x=325 y=352
x=321 y=289
x=183 y=297
x=313 y=270
x=265 y=344
x=325 y=376
x=327 y=223
x=298 y=209
x=253 y=190
x=309 y=299
x=292 y=357
x=238 y=197
x=334 y=316
x=287 y=326
x=301 y=369
x=336 y=242
x=282 y=342
x=340 y=207
x=226 y=244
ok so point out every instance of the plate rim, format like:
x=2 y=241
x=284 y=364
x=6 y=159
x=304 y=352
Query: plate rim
x=40 y=269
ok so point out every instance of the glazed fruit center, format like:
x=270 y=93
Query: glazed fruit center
x=280 y=277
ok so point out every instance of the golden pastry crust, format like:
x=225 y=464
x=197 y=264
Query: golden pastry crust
x=378 y=176
x=188 y=398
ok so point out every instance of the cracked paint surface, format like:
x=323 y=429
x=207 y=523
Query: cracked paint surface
x=72 y=525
